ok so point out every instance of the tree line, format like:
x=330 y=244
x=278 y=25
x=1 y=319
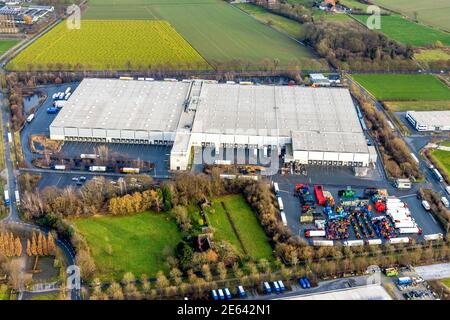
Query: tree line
x=396 y=155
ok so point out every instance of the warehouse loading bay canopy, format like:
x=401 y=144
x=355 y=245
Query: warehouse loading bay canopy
x=320 y=125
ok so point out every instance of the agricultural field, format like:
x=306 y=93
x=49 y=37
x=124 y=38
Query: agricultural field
x=394 y=87
x=249 y=230
x=135 y=243
x=407 y=32
x=220 y=32
x=107 y=44
x=5 y=45
x=442 y=158
x=403 y=106
x=432 y=55
x=291 y=27
x=431 y=12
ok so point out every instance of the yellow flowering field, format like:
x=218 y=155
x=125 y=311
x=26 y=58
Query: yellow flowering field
x=110 y=45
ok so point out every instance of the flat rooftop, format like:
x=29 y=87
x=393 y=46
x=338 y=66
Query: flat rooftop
x=432 y=118
x=371 y=292
x=124 y=104
x=274 y=110
x=329 y=141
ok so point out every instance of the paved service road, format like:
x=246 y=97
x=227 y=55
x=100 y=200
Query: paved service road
x=11 y=178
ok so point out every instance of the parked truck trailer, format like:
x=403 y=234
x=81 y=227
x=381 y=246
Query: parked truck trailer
x=97 y=168
x=399 y=240
x=315 y=233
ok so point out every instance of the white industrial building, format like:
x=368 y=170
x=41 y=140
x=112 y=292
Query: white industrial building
x=429 y=120
x=319 y=125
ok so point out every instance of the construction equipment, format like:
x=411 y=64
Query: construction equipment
x=347 y=193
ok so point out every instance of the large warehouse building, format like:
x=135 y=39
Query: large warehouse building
x=429 y=120
x=319 y=124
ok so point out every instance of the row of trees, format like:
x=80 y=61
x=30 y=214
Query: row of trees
x=357 y=48
x=40 y=245
x=396 y=154
x=10 y=246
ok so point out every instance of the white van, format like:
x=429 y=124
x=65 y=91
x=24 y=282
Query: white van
x=426 y=205
x=447 y=188
x=30 y=117
x=445 y=202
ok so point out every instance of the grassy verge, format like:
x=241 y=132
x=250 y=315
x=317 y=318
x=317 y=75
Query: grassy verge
x=18 y=148
x=136 y=243
x=403 y=106
x=442 y=158
x=431 y=55
x=5 y=45
x=2 y=148
x=291 y=27
x=446 y=282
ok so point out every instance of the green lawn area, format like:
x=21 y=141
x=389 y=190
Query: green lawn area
x=446 y=282
x=431 y=12
x=291 y=27
x=354 y=4
x=6 y=44
x=137 y=242
x=404 y=86
x=442 y=158
x=45 y=296
x=407 y=32
x=220 y=32
x=432 y=55
x=332 y=17
x=402 y=106
x=246 y=223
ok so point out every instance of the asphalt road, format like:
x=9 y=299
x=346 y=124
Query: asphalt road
x=13 y=216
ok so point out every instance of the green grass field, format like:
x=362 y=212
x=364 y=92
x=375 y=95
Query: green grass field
x=220 y=32
x=5 y=45
x=431 y=12
x=432 y=55
x=111 y=44
x=404 y=87
x=246 y=223
x=407 y=32
x=403 y=106
x=137 y=243
x=442 y=157
x=291 y=27
x=446 y=282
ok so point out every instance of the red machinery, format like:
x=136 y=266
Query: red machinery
x=318 y=191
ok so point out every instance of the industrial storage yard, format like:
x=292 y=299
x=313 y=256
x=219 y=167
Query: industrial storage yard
x=311 y=128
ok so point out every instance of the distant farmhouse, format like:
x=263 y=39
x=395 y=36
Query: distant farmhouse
x=24 y=15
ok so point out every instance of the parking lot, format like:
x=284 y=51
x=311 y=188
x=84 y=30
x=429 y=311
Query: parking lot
x=416 y=287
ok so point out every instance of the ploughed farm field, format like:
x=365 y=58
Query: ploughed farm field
x=407 y=87
x=110 y=45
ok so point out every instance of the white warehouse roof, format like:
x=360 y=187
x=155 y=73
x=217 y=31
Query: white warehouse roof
x=313 y=119
x=274 y=110
x=121 y=104
x=432 y=119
